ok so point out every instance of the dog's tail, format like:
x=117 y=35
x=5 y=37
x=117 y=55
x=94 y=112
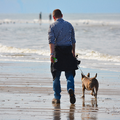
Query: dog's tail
x=95 y=76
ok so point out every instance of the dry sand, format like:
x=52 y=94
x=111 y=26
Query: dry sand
x=26 y=94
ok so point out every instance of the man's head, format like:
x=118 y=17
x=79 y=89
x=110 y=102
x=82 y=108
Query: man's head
x=57 y=14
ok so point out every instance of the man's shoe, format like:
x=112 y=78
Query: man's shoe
x=72 y=96
x=55 y=101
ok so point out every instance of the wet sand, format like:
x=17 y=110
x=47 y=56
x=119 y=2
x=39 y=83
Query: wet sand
x=26 y=94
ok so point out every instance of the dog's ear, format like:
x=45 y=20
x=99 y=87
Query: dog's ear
x=95 y=75
x=88 y=75
x=82 y=75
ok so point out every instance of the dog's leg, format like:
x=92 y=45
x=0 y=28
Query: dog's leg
x=96 y=89
x=93 y=92
x=96 y=94
x=83 y=90
x=83 y=103
x=96 y=102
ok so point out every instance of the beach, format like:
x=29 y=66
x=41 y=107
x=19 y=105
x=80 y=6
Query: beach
x=26 y=93
x=26 y=84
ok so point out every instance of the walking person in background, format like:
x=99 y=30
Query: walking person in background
x=40 y=16
x=50 y=16
x=62 y=47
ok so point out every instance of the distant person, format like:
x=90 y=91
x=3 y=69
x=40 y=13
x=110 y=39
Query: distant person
x=50 y=17
x=40 y=16
x=62 y=46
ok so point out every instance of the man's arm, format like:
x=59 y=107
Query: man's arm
x=51 y=39
x=51 y=52
x=73 y=41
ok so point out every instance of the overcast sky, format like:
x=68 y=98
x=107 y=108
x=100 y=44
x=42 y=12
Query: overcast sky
x=67 y=6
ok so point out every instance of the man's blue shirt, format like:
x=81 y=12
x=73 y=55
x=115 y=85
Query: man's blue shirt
x=61 y=33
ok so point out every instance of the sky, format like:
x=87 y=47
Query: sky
x=66 y=6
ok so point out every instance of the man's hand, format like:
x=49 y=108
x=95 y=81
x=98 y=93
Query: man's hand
x=73 y=54
x=73 y=49
x=51 y=58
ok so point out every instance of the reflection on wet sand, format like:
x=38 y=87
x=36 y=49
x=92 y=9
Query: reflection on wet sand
x=71 y=112
x=89 y=110
x=57 y=112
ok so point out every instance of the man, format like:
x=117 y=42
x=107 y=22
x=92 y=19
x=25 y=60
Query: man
x=62 y=47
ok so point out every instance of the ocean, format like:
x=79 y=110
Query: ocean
x=23 y=37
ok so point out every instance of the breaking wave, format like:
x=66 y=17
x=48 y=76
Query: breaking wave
x=33 y=54
x=94 y=55
x=21 y=51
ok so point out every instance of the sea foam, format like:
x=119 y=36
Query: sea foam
x=83 y=54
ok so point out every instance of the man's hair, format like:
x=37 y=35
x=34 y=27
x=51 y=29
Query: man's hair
x=57 y=13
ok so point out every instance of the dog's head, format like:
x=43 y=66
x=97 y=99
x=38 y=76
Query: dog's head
x=88 y=76
x=83 y=76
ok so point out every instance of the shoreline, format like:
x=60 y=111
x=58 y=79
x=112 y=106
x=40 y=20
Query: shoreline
x=26 y=93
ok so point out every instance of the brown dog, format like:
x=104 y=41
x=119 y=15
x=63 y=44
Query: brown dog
x=89 y=84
